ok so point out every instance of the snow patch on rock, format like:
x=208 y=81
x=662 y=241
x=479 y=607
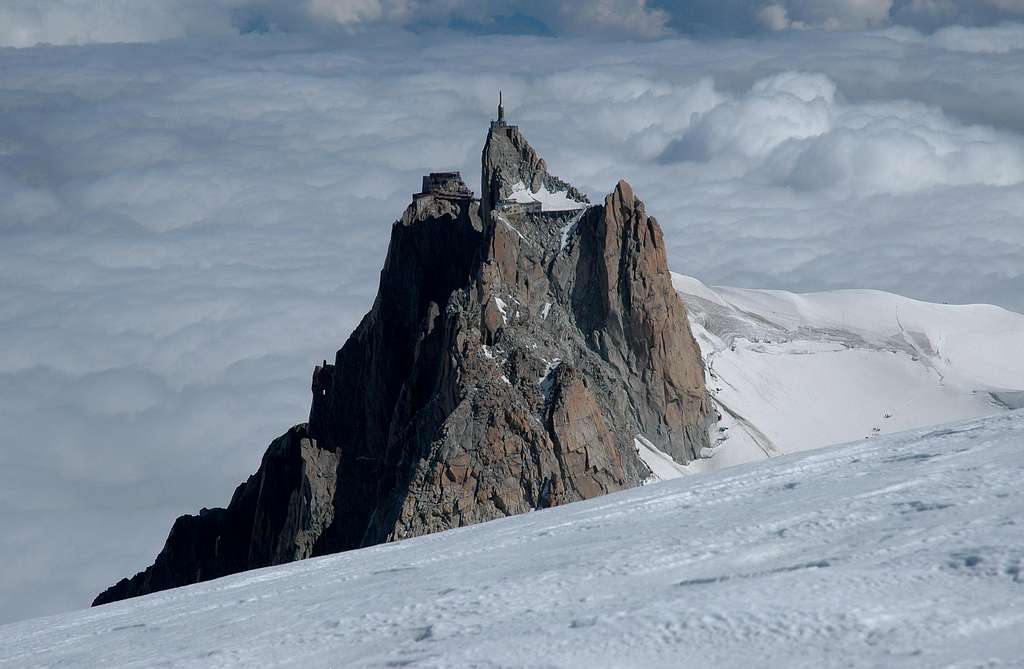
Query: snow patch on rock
x=557 y=201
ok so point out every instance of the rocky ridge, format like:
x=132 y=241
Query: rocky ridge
x=507 y=363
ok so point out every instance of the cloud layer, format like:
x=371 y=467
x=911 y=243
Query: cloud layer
x=29 y=22
x=184 y=232
x=789 y=130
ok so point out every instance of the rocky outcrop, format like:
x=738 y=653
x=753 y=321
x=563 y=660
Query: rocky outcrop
x=507 y=363
x=616 y=280
x=274 y=517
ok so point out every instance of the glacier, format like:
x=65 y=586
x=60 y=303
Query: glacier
x=790 y=372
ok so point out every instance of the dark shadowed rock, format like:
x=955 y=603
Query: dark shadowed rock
x=510 y=358
x=274 y=517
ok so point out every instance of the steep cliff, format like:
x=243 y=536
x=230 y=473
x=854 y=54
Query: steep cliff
x=510 y=358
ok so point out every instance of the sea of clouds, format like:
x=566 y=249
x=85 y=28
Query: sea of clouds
x=187 y=226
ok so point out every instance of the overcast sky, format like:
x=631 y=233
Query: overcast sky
x=191 y=218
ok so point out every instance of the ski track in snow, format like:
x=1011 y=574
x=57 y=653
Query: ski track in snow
x=900 y=551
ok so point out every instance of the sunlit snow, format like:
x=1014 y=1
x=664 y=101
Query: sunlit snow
x=557 y=201
x=901 y=551
x=792 y=371
x=661 y=464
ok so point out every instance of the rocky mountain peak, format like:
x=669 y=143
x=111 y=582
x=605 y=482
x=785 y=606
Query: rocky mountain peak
x=513 y=172
x=517 y=346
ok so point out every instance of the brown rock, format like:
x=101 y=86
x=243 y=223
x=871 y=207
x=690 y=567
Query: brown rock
x=441 y=411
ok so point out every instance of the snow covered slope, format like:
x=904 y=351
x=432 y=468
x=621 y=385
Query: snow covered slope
x=791 y=372
x=900 y=551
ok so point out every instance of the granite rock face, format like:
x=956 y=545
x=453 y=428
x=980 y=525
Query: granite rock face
x=507 y=363
x=274 y=517
x=615 y=278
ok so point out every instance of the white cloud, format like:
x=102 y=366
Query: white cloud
x=1000 y=39
x=790 y=130
x=626 y=17
x=187 y=227
x=779 y=109
x=347 y=12
x=29 y=22
x=825 y=14
x=775 y=17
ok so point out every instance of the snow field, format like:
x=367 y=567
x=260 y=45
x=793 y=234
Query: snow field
x=900 y=551
x=791 y=372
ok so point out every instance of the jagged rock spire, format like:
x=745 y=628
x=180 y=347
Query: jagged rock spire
x=499 y=371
